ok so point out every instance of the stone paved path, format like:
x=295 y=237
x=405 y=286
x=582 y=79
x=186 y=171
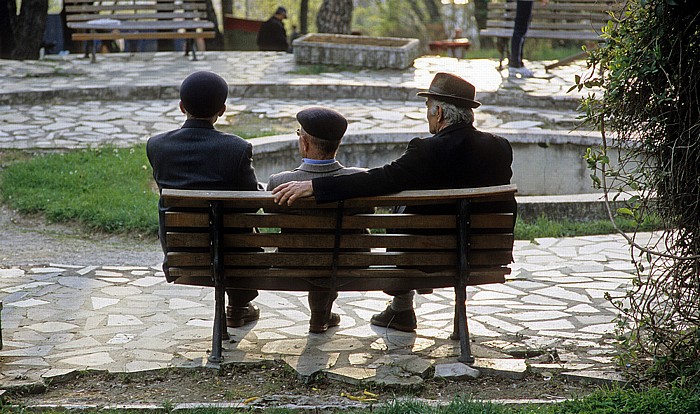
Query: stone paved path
x=63 y=317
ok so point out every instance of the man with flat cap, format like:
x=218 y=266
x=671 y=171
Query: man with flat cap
x=320 y=132
x=198 y=157
x=272 y=36
x=456 y=156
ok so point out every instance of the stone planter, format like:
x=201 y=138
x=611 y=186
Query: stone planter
x=363 y=51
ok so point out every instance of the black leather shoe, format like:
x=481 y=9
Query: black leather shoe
x=401 y=321
x=239 y=316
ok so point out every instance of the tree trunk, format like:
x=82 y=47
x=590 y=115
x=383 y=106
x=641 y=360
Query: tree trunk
x=335 y=16
x=433 y=10
x=304 y=17
x=217 y=43
x=23 y=35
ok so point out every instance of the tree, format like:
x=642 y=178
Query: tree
x=22 y=33
x=304 y=17
x=649 y=111
x=335 y=16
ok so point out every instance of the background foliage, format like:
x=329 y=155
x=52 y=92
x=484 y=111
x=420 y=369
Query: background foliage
x=648 y=69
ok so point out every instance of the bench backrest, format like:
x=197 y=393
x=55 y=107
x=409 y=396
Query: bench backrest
x=153 y=10
x=401 y=251
x=559 y=19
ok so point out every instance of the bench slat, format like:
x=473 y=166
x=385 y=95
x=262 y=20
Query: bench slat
x=358 y=259
x=100 y=9
x=359 y=221
x=142 y=35
x=347 y=241
x=348 y=280
x=141 y=16
x=248 y=199
x=147 y=25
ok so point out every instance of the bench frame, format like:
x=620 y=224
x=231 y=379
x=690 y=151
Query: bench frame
x=138 y=20
x=559 y=20
x=480 y=254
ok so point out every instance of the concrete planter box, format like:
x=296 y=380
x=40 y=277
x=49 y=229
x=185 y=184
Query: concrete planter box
x=363 y=51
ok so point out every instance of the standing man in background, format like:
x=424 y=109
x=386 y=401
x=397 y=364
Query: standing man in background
x=272 y=36
x=523 y=16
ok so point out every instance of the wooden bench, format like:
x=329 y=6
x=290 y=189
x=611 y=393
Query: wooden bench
x=138 y=19
x=579 y=20
x=455 y=47
x=470 y=245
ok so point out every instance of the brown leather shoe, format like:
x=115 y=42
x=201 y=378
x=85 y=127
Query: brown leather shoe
x=239 y=316
x=319 y=323
x=401 y=321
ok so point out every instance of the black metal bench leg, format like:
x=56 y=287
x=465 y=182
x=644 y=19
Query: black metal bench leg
x=461 y=329
x=219 y=327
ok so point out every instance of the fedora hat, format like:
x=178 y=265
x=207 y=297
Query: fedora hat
x=452 y=89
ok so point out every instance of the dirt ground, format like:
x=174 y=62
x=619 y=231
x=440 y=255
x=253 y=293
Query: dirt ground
x=276 y=385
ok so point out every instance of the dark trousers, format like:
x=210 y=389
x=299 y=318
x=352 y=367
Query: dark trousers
x=523 y=14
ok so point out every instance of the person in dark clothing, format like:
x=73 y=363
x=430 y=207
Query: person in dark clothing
x=272 y=36
x=456 y=156
x=198 y=157
x=320 y=133
x=523 y=16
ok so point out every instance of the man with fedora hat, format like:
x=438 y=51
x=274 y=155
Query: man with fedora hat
x=320 y=132
x=272 y=35
x=456 y=156
x=198 y=157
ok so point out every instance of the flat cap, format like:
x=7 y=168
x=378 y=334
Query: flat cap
x=203 y=93
x=323 y=123
x=281 y=10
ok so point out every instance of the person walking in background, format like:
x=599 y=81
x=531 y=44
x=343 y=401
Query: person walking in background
x=272 y=36
x=321 y=130
x=457 y=156
x=198 y=157
x=523 y=16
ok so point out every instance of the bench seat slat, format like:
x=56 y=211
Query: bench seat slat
x=350 y=259
x=373 y=279
x=347 y=241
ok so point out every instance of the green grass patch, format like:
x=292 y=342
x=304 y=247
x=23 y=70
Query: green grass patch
x=107 y=189
x=547 y=227
x=534 y=51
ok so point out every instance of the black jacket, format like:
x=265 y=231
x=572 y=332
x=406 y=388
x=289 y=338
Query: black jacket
x=198 y=157
x=272 y=36
x=459 y=156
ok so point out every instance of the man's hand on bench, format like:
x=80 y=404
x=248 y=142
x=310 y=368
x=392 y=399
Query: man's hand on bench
x=287 y=193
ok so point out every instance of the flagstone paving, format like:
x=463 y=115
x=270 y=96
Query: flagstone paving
x=58 y=318
x=62 y=318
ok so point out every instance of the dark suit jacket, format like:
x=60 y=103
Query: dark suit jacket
x=198 y=157
x=272 y=36
x=459 y=156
